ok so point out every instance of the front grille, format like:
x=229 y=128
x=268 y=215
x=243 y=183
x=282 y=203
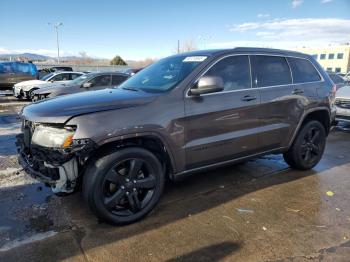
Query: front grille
x=342 y=103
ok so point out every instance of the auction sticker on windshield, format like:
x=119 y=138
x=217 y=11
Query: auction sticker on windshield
x=194 y=59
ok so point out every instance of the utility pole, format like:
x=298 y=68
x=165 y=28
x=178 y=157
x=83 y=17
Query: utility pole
x=55 y=26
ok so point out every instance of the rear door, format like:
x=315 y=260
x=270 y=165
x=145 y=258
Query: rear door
x=222 y=126
x=282 y=103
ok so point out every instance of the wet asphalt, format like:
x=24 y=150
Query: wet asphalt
x=260 y=210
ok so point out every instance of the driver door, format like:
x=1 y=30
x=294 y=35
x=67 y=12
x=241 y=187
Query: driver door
x=223 y=125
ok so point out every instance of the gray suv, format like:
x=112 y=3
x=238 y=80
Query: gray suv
x=183 y=114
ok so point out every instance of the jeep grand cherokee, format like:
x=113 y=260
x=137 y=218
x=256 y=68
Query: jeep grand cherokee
x=183 y=114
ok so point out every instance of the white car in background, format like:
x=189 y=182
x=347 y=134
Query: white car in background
x=342 y=103
x=25 y=89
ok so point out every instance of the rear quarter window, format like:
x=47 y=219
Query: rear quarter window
x=303 y=70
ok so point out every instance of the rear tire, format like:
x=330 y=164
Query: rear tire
x=308 y=147
x=123 y=186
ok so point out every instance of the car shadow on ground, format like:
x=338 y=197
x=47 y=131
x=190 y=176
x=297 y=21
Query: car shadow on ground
x=209 y=253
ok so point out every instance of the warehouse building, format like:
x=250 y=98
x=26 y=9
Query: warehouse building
x=331 y=58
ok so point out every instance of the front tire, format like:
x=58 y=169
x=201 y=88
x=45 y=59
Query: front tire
x=30 y=93
x=308 y=147
x=122 y=187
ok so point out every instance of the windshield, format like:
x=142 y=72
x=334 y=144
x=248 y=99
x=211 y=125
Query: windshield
x=47 y=77
x=164 y=74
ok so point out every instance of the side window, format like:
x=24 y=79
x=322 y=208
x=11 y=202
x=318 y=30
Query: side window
x=118 y=79
x=6 y=68
x=102 y=80
x=74 y=76
x=234 y=71
x=270 y=71
x=303 y=71
x=23 y=68
x=60 y=77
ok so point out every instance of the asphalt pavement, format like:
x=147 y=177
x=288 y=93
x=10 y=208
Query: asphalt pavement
x=260 y=210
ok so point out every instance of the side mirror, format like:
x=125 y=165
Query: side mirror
x=87 y=85
x=207 y=85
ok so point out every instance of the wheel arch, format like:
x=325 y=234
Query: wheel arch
x=321 y=114
x=150 y=141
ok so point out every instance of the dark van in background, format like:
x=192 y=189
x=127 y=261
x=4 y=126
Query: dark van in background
x=15 y=72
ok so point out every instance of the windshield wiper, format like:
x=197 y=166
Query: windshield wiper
x=130 y=88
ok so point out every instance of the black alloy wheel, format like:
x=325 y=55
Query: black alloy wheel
x=123 y=186
x=311 y=146
x=308 y=147
x=128 y=187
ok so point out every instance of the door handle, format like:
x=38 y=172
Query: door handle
x=297 y=92
x=248 y=98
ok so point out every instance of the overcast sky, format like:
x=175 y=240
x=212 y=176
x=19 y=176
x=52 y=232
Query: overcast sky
x=140 y=29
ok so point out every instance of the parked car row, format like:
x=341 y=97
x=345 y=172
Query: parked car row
x=25 y=89
x=22 y=78
x=86 y=82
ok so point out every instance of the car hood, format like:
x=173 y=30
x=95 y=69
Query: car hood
x=30 y=83
x=60 y=109
x=343 y=92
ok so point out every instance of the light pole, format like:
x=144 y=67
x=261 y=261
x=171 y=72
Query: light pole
x=56 y=25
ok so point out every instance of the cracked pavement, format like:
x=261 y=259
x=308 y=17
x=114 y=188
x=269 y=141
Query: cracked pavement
x=259 y=210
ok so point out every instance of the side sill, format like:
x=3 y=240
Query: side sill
x=182 y=175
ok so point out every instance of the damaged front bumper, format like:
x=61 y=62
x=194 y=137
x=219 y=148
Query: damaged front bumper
x=57 y=168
